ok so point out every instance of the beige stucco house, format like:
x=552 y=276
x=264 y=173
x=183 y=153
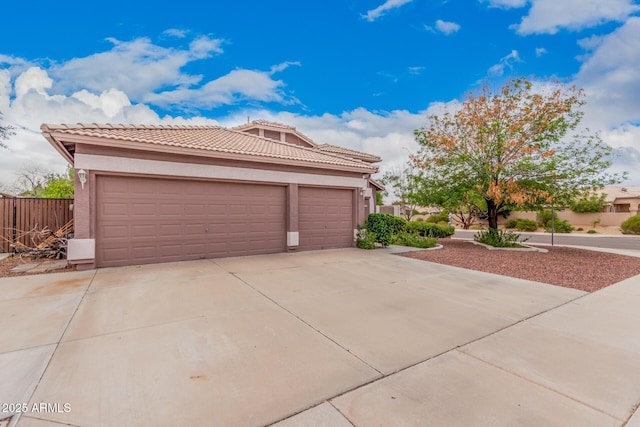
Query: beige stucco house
x=622 y=199
x=148 y=194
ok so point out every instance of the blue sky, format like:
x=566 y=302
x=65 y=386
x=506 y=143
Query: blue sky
x=358 y=73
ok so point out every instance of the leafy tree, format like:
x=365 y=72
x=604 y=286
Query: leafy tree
x=34 y=181
x=511 y=148
x=592 y=204
x=403 y=186
x=379 y=198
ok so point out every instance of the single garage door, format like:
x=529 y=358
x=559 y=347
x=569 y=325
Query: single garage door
x=325 y=218
x=148 y=220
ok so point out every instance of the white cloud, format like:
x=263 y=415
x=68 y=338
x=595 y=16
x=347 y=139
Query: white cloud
x=540 y=51
x=505 y=4
x=5 y=89
x=175 y=32
x=34 y=79
x=609 y=75
x=497 y=70
x=549 y=16
x=447 y=27
x=235 y=86
x=33 y=105
x=416 y=70
x=388 y=5
x=136 y=67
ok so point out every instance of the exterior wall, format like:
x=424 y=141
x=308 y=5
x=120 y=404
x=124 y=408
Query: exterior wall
x=294 y=139
x=98 y=161
x=272 y=134
x=390 y=209
x=177 y=158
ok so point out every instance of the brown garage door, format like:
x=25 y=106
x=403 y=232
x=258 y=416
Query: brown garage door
x=147 y=220
x=325 y=218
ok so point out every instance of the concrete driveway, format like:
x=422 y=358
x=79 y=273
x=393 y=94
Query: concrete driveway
x=328 y=338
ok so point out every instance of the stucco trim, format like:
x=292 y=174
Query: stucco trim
x=158 y=167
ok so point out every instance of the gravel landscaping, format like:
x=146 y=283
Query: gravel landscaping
x=582 y=269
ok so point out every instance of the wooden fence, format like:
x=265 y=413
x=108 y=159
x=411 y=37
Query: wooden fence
x=18 y=215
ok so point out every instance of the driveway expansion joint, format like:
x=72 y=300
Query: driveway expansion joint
x=308 y=324
x=524 y=378
x=57 y=344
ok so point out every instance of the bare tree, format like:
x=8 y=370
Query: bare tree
x=31 y=180
x=6 y=131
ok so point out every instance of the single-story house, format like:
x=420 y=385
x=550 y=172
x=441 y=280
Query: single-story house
x=622 y=199
x=149 y=194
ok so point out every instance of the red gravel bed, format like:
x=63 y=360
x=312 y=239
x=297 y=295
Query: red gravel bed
x=582 y=269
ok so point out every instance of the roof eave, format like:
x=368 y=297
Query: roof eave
x=57 y=138
x=57 y=144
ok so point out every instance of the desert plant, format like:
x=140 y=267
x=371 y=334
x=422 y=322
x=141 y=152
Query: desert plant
x=365 y=239
x=596 y=222
x=524 y=224
x=559 y=227
x=591 y=232
x=499 y=238
x=544 y=217
x=511 y=223
x=415 y=241
x=631 y=225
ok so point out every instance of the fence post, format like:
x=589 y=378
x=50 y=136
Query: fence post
x=15 y=219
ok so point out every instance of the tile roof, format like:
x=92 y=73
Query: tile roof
x=614 y=192
x=265 y=124
x=204 y=140
x=328 y=148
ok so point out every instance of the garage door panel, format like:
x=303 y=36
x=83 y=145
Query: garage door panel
x=158 y=220
x=325 y=217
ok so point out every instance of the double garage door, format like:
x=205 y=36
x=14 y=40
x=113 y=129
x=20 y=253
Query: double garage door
x=149 y=220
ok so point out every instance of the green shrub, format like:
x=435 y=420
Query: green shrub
x=591 y=231
x=560 y=227
x=511 y=223
x=420 y=219
x=441 y=217
x=592 y=204
x=524 y=224
x=631 y=225
x=426 y=229
x=415 y=241
x=398 y=224
x=380 y=225
x=383 y=227
x=544 y=217
x=499 y=238
x=365 y=239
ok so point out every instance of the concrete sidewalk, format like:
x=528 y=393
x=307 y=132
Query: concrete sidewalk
x=339 y=337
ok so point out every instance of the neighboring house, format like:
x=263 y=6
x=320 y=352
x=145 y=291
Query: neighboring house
x=622 y=199
x=148 y=194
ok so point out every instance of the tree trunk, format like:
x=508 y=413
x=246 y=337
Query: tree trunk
x=492 y=214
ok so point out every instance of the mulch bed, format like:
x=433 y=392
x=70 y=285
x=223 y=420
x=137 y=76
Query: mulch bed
x=582 y=269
